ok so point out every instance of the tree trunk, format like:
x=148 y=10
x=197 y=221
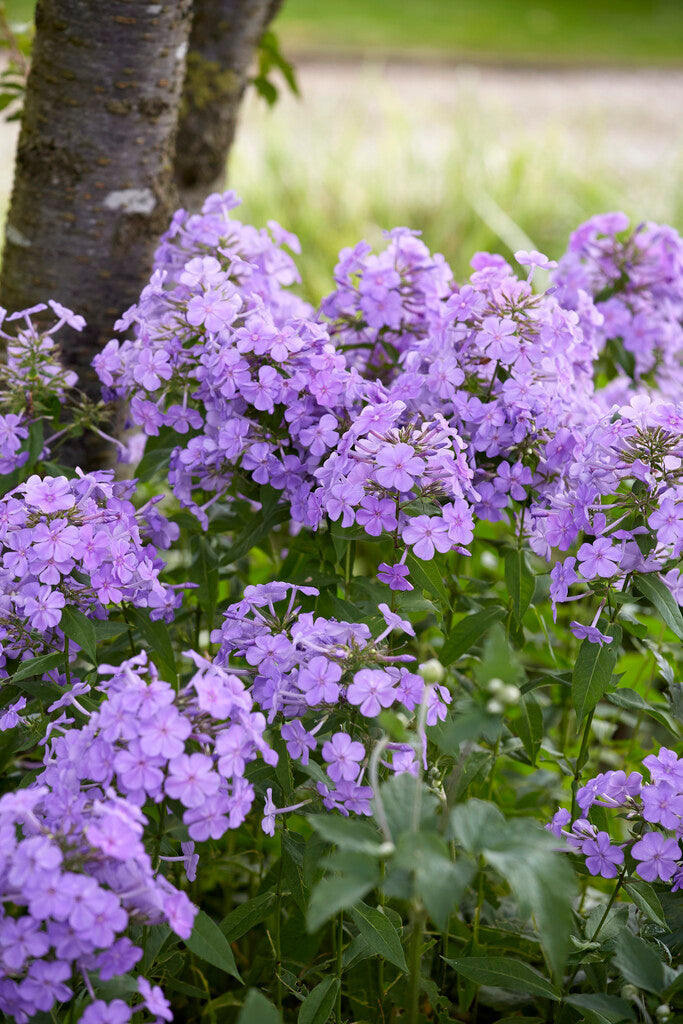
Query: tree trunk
x=93 y=184
x=222 y=42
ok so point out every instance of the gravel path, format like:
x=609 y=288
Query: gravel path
x=636 y=114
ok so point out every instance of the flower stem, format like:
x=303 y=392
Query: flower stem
x=340 y=948
x=415 y=955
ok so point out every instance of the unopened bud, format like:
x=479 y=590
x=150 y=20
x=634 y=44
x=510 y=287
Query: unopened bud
x=432 y=671
x=629 y=992
x=494 y=707
x=663 y=1012
x=495 y=685
x=510 y=694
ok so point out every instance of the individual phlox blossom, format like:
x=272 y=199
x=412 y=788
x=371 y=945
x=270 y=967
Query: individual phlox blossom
x=343 y=756
x=426 y=534
x=663 y=804
x=601 y=857
x=398 y=465
x=658 y=856
x=665 y=766
x=600 y=558
x=394 y=575
x=154 y=1000
x=667 y=520
x=371 y=690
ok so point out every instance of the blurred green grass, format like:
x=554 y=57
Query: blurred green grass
x=352 y=158
x=575 y=31
x=570 y=31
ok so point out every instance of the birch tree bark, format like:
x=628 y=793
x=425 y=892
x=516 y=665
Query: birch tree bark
x=94 y=182
x=222 y=42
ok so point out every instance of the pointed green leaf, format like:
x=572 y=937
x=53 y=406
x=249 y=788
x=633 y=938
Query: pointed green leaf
x=348 y=833
x=342 y=891
x=530 y=726
x=428 y=576
x=658 y=594
x=317 y=1006
x=258 y=1010
x=647 y=901
x=78 y=627
x=33 y=667
x=467 y=632
x=158 y=642
x=380 y=934
x=638 y=962
x=209 y=943
x=245 y=917
x=593 y=672
x=520 y=582
x=506 y=973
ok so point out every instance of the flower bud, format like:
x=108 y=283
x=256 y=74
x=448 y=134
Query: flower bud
x=495 y=685
x=629 y=992
x=510 y=694
x=432 y=671
x=494 y=707
x=663 y=1012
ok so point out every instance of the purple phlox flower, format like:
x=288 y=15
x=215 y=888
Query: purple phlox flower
x=52 y=494
x=343 y=756
x=214 y=309
x=270 y=810
x=497 y=336
x=662 y=804
x=393 y=621
x=348 y=796
x=558 y=821
x=600 y=558
x=319 y=680
x=394 y=576
x=191 y=778
x=101 y=1012
x=372 y=689
x=426 y=534
x=10 y=717
x=458 y=518
x=299 y=741
x=590 y=633
x=534 y=258
x=398 y=465
x=321 y=435
x=581 y=830
x=667 y=520
x=376 y=514
x=154 y=999
x=151 y=368
x=601 y=857
x=190 y=860
x=658 y=856
x=665 y=766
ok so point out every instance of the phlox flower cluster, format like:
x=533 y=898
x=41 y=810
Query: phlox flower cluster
x=634 y=282
x=230 y=361
x=30 y=374
x=307 y=668
x=77 y=542
x=74 y=874
x=623 y=495
x=654 y=811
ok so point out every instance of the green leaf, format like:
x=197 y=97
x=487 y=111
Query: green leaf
x=506 y=973
x=208 y=942
x=380 y=934
x=293 y=849
x=631 y=700
x=647 y=901
x=530 y=726
x=342 y=891
x=408 y=804
x=33 y=667
x=157 y=637
x=467 y=632
x=610 y=1009
x=108 y=630
x=154 y=462
x=638 y=962
x=77 y=627
x=438 y=881
x=476 y=824
x=348 y=834
x=428 y=576
x=258 y=1010
x=205 y=573
x=245 y=917
x=317 y=1006
x=659 y=595
x=593 y=672
x=520 y=582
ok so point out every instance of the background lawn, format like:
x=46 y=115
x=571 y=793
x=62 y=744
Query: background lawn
x=518 y=31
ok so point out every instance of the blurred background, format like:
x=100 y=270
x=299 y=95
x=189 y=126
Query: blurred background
x=486 y=124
